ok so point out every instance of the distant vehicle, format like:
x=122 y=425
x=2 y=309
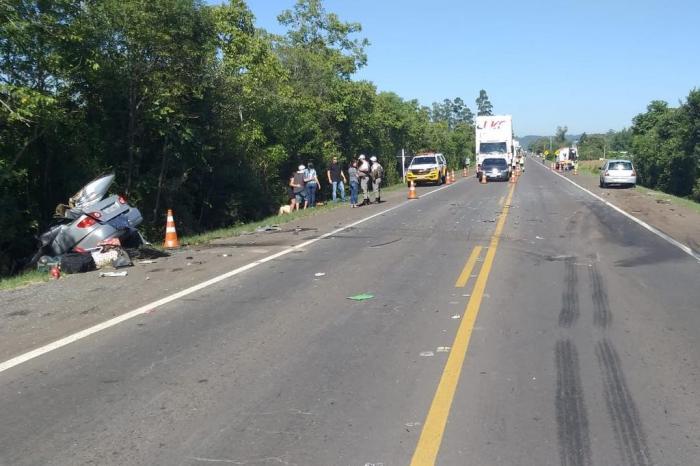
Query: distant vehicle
x=494 y=139
x=495 y=169
x=430 y=167
x=566 y=157
x=618 y=172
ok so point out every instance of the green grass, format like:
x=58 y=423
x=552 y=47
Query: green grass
x=23 y=279
x=237 y=230
x=679 y=201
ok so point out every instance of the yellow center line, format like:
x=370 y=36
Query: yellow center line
x=469 y=266
x=434 y=426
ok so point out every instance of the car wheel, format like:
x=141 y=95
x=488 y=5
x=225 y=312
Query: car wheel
x=601 y=184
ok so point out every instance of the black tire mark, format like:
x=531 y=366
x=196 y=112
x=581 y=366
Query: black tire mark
x=572 y=420
x=569 y=300
x=622 y=410
x=602 y=317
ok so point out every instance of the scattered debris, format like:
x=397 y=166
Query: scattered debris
x=426 y=354
x=123 y=273
x=319 y=274
x=361 y=297
x=443 y=349
x=456 y=316
x=147 y=262
x=267 y=228
x=538 y=237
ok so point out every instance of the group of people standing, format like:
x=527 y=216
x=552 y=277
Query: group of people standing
x=304 y=183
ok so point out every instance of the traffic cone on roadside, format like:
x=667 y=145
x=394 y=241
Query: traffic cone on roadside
x=453 y=177
x=448 y=180
x=171 y=241
x=412 y=191
x=465 y=173
x=483 y=178
x=575 y=169
x=514 y=176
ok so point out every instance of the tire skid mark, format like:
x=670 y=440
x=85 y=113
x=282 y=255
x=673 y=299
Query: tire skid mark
x=602 y=316
x=572 y=419
x=569 y=300
x=622 y=410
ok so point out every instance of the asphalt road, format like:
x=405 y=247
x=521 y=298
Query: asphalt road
x=574 y=341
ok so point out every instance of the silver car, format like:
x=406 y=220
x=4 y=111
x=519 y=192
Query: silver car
x=618 y=172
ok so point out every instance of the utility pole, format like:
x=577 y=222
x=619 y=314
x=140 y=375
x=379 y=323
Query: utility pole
x=403 y=166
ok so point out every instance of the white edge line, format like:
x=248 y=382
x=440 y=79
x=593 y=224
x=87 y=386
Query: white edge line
x=22 y=358
x=656 y=231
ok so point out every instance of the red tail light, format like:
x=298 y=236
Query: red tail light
x=122 y=200
x=87 y=222
x=607 y=173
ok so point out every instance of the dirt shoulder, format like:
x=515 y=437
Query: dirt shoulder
x=676 y=220
x=40 y=313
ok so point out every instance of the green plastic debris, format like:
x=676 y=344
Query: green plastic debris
x=361 y=297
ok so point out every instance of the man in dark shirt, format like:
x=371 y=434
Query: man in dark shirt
x=336 y=178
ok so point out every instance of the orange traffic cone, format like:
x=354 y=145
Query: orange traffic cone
x=483 y=178
x=171 y=241
x=448 y=180
x=465 y=173
x=412 y=191
x=453 y=180
x=575 y=169
x=514 y=176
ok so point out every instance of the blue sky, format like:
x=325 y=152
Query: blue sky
x=590 y=65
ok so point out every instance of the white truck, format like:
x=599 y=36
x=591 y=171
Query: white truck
x=494 y=139
x=566 y=157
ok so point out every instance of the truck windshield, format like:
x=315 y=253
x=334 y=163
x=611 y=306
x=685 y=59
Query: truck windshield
x=489 y=147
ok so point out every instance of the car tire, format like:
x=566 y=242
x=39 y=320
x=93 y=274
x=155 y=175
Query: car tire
x=601 y=184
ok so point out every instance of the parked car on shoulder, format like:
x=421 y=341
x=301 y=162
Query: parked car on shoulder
x=618 y=172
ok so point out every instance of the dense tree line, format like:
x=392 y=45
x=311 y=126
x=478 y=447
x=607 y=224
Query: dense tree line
x=192 y=106
x=666 y=146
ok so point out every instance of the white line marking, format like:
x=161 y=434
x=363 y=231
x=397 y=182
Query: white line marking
x=656 y=231
x=150 y=307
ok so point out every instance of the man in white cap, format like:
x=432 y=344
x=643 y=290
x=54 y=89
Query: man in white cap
x=377 y=173
x=363 y=173
x=298 y=186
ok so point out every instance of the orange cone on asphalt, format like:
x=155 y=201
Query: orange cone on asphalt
x=412 y=191
x=483 y=178
x=453 y=177
x=171 y=241
x=514 y=177
x=575 y=169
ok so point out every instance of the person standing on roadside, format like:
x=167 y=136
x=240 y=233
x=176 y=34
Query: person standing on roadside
x=353 y=174
x=312 y=184
x=377 y=173
x=299 y=187
x=336 y=178
x=363 y=173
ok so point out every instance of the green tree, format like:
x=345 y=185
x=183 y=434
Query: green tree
x=483 y=104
